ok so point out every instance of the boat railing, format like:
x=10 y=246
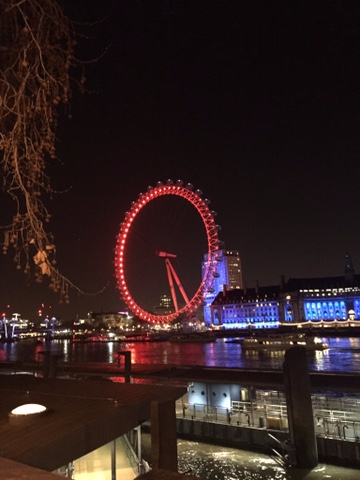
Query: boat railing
x=246 y=414
x=337 y=424
x=342 y=403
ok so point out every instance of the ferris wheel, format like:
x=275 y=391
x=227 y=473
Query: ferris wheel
x=123 y=245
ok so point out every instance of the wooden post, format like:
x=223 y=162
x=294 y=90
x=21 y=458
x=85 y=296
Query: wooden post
x=163 y=436
x=50 y=363
x=46 y=363
x=299 y=408
x=127 y=356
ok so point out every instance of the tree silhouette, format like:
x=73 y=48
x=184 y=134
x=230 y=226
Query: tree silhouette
x=36 y=56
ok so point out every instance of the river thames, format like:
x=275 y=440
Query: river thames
x=343 y=354
x=211 y=462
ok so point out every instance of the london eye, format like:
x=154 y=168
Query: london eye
x=129 y=250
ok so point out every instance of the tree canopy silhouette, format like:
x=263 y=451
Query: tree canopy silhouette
x=36 y=56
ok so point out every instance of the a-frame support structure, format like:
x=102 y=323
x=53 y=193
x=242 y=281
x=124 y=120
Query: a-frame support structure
x=172 y=275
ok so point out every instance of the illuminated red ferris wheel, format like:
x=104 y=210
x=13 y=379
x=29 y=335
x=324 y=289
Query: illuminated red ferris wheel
x=123 y=244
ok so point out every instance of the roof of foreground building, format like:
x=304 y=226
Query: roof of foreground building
x=80 y=416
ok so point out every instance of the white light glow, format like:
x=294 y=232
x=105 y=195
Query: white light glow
x=28 y=409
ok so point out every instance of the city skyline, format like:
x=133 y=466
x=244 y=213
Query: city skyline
x=256 y=105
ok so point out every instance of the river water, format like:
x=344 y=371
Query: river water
x=218 y=463
x=212 y=462
x=343 y=354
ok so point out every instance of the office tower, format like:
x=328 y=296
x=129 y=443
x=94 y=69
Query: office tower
x=228 y=276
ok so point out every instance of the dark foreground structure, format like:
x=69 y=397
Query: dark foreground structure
x=79 y=417
x=86 y=411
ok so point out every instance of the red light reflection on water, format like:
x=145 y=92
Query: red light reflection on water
x=343 y=354
x=166 y=353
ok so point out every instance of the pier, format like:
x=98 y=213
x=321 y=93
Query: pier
x=258 y=420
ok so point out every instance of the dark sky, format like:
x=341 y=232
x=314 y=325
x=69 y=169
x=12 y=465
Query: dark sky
x=256 y=103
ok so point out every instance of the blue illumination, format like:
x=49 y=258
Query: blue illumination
x=296 y=302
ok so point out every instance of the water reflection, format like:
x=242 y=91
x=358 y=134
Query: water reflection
x=321 y=360
x=343 y=354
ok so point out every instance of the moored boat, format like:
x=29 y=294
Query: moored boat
x=282 y=342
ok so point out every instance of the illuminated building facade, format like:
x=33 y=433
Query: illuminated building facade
x=329 y=300
x=240 y=308
x=228 y=276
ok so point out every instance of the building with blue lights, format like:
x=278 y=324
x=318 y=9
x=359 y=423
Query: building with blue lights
x=328 y=300
x=228 y=275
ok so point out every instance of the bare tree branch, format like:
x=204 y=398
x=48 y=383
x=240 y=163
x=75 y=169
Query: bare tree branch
x=36 y=56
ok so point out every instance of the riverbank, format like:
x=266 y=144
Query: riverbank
x=321 y=329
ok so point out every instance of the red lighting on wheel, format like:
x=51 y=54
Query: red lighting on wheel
x=194 y=198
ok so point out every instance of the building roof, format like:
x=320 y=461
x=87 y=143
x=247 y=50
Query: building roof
x=82 y=415
x=239 y=295
x=296 y=284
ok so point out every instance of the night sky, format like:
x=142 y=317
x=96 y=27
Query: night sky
x=256 y=103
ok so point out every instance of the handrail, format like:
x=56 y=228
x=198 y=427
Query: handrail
x=330 y=423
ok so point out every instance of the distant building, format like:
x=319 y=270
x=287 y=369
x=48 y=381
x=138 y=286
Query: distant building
x=115 y=320
x=165 y=307
x=299 y=300
x=228 y=276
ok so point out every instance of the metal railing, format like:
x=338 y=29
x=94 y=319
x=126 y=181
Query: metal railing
x=341 y=424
